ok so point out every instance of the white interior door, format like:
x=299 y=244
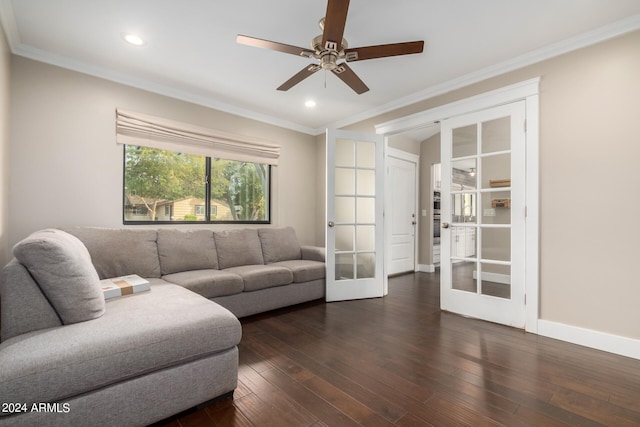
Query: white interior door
x=483 y=214
x=402 y=211
x=355 y=231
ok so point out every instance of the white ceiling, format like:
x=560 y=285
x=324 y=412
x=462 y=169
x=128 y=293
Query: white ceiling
x=191 y=52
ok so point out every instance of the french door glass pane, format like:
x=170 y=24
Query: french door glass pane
x=344 y=238
x=496 y=280
x=345 y=181
x=345 y=211
x=366 y=207
x=345 y=153
x=496 y=207
x=345 y=267
x=366 y=154
x=366 y=266
x=496 y=171
x=496 y=135
x=465 y=141
x=462 y=274
x=366 y=182
x=496 y=244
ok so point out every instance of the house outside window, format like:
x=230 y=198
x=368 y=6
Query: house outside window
x=162 y=186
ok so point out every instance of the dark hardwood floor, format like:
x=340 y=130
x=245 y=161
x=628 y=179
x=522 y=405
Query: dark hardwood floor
x=400 y=361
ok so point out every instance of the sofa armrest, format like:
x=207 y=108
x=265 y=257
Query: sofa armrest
x=313 y=253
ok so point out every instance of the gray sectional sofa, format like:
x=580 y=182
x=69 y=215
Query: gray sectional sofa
x=68 y=357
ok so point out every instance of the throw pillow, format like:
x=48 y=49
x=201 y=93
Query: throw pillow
x=62 y=266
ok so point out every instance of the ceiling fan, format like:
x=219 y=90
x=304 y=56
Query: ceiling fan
x=333 y=51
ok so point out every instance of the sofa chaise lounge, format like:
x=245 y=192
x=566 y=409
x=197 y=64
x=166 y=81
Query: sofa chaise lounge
x=68 y=357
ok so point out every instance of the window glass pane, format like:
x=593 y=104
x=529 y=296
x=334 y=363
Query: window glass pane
x=240 y=190
x=163 y=185
x=167 y=186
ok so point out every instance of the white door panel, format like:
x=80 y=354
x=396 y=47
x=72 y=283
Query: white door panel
x=402 y=210
x=354 y=237
x=483 y=214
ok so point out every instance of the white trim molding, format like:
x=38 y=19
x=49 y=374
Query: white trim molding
x=616 y=344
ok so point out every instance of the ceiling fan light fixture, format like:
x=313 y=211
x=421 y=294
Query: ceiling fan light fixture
x=310 y=103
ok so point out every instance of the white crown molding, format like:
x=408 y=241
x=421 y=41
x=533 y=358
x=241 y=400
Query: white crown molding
x=598 y=35
x=592 y=37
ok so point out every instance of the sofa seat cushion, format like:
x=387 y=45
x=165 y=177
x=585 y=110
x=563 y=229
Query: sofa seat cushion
x=208 y=283
x=258 y=277
x=138 y=334
x=303 y=270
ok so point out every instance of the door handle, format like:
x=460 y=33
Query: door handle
x=331 y=224
x=445 y=225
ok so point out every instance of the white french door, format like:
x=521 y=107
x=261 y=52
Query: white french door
x=483 y=214
x=354 y=231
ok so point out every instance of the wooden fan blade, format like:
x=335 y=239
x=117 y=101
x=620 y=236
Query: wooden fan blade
x=280 y=47
x=346 y=74
x=383 y=50
x=334 y=22
x=300 y=76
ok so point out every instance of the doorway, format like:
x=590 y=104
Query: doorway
x=402 y=184
x=527 y=92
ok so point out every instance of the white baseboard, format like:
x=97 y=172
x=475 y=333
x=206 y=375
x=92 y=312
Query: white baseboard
x=623 y=346
x=426 y=268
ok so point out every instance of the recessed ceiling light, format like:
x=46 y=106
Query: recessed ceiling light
x=310 y=103
x=133 y=39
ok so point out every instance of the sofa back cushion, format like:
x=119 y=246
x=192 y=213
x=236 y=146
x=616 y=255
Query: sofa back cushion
x=62 y=266
x=238 y=247
x=119 y=252
x=186 y=250
x=279 y=244
x=24 y=308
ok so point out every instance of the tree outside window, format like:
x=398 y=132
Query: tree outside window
x=167 y=186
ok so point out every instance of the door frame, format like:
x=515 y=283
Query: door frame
x=528 y=91
x=415 y=159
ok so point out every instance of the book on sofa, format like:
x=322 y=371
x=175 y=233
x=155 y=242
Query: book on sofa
x=124 y=285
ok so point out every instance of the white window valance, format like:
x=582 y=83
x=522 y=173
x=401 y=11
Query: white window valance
x=156 y=132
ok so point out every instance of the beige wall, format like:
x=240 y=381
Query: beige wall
x=589 y=174
x=5 y=67
x=67 y=168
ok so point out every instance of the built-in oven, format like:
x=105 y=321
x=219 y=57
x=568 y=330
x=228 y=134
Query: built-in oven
x=436 y=217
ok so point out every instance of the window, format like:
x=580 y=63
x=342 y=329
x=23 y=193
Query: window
x=163 y=186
